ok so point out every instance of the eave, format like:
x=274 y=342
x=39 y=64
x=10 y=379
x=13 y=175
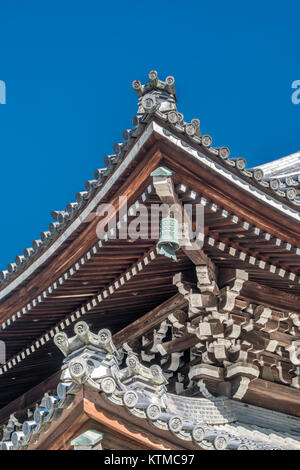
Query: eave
x=204 y=173
x=208 y=178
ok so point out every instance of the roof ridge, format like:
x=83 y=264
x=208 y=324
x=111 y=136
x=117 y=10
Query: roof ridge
x=156 y=99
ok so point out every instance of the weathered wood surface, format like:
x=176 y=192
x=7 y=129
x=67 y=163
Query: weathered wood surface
x=273 y=396
x=259 y=293
x=148 y=321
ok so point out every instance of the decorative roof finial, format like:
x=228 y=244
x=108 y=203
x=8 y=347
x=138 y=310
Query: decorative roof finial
x=156 y=94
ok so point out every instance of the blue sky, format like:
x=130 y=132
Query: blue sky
x=68 y=68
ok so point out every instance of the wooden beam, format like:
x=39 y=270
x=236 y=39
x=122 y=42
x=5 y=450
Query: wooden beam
x=148 y=321
x=178 y=344
x=268 y=296
x=273 y=396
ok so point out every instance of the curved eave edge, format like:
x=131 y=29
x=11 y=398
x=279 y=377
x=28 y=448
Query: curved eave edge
x=152 y=127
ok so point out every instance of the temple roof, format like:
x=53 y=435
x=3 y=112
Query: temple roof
x=157 y=100
x=249 y=225
x=92 y=361
x=287 y=169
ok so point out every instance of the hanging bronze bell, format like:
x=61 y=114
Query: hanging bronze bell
x=168 y=241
